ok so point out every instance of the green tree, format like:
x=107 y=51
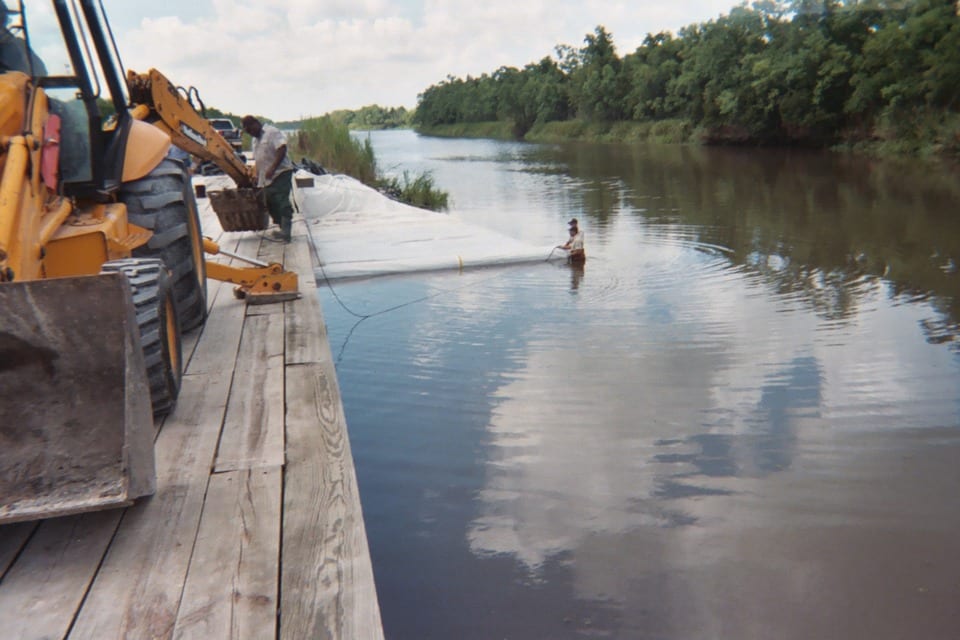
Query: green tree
x=598 y=87
x=716 y=78
x=649 y=71
x=549 y=89
x=799 y=71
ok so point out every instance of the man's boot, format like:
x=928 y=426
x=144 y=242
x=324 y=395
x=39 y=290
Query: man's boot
x=282 y=234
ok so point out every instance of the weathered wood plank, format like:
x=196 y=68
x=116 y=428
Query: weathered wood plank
x=302 y=331
x=190 y=341
x=253 y=427
x=12 y=539
x=41 y=593
x=217 y=348
x=270 y=251
x=248 y=244
x=188 y=344
x=326 y=583
x=306 y=332
x=299 y=255
x=209 y=223
x=137 y=592
x=232 y=585
x=327 y=588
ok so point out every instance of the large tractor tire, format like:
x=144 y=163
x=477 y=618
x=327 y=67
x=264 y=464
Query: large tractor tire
x=153 y=300
x=163 y=202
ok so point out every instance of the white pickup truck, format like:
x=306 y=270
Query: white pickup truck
x=230 y=132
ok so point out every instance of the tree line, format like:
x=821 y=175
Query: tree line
x=813 y=72
x=373 y=117
x=368 y=118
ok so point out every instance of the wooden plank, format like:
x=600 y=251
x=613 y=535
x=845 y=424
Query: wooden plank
x=248 y=245
x=12 y=538
x=300 y=257
x=231 y=588
x=306 y=332
x=302 y=331
x=188 y=344
x=327 y=588
x=217 y=349
x=253 y=427
x=190 y=341
x=41 y=593
x=137 y=591
x=271 y=251
x=209 y=223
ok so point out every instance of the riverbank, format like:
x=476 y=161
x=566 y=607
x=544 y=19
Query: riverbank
x=934 y=138
x=665 y=131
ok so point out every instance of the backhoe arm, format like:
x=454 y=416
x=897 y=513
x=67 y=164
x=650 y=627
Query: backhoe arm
x=158 y=101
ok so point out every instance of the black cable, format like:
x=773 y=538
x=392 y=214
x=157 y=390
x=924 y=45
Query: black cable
x=343 y=345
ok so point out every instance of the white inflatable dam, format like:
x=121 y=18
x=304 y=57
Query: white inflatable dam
x=358 y=232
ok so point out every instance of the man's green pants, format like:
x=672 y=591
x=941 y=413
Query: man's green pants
x=278 y=201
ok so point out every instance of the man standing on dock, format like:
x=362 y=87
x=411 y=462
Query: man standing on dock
x=274 y=173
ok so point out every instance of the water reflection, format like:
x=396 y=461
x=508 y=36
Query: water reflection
x=826 y=219
x=712 y=485
x=743 y=422
x=576 y=275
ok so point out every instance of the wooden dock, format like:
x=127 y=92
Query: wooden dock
x=255 y=530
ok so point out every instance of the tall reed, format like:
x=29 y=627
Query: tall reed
x=328 y=142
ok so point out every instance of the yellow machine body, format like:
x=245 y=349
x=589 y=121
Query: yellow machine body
x=76 y=425
x=76 y=430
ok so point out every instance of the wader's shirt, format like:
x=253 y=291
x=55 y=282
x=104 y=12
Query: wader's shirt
x=265 y=149
x=576 y=243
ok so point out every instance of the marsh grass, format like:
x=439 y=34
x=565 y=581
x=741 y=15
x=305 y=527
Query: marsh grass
x=325 y=141
x=912 y=133
x=495 y=130
x=419 y=190
x=328 y=142
x=660 y=131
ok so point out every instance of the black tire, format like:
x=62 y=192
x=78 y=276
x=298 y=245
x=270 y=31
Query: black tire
x=157 y=319
x=163 y=201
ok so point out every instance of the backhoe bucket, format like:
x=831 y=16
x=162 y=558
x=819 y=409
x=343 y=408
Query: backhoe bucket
x=76 y=426
x=240 y=209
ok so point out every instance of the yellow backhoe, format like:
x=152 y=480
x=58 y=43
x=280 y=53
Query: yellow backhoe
x=102 y=263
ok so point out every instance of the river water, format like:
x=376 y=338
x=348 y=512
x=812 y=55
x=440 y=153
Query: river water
x=740 y=419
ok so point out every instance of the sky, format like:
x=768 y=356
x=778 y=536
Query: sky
x=289 y=59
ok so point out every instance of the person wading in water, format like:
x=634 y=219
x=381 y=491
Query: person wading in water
x=574 y=245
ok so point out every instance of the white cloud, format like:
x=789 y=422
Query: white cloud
x=290 y=58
